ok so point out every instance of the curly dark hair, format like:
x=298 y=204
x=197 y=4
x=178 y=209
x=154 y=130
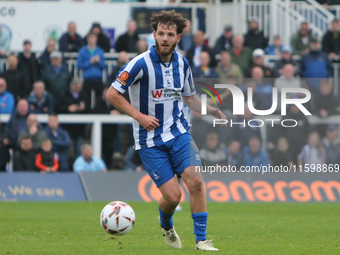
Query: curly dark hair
x=169 y=18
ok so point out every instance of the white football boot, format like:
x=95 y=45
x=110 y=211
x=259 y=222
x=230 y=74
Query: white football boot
x=205 y=245
x=170 y=237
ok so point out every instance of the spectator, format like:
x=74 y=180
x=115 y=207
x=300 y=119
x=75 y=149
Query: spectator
x=128 y=41
x=224 y=42
x=212 y=153
x=187 y=39
x=331 y=144
x=109 y=131
x=56 y=76
x=262 y=89
x=194 y=53
x=331 y=41
x=74 y=101
x=301 y=39
x=7 y=100
x=254 y=38
x=33 y=131
x=296 y=136
x=312 y=153
x=315 y=65
x=123 y=59
x=60 y=141
x=226 y=69
x=142 y=46
x=282 y=156
x=45 y=160
x=240 y=55
x=243 y=133
x=102 y=40
x=287 y=79
x=71 y=41
x=233 y=153
x=28 y=63
x=40 y=101
x=91 y=61
x=253 y=155
x=132 y=160
x=87 y=162
x=286 y=58
x=15 y=79
x=5 y=41
x=275 y=48
x=325 y=101
x=7 y=142
x=204 y=71
x=18 y=121
x=24 y=158
x=45 y=59
x=258 y=60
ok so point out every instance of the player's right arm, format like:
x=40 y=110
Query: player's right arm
x=118 y=101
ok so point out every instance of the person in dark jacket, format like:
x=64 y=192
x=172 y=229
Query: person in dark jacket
x=60 y=141
x=56 y=76
x=123 y=59
x=28 y=63
x=74 y=101
x=16 y=79
x=91 y=61
x=128 y=41
x=204 y=71
x=24 y=158
x=45 y=160
x=40 y=101
x=254 y=38
x=233 y=153
x=213 y=153
x=109 y=131
x=315 y=65
x=187 y=39
x=282 y=155
x=296 y=136
x=331 y=40
x=7 y=142
x=102 y=40
x=225 y=41
x=193 y=54
x=286 y=58
x=45 y=60
x=258 y=60
x=331 y=144
x=71 y=41
x=17 y=123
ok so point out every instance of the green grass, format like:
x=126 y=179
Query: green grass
x=236 y=228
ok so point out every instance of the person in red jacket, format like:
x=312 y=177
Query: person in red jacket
x=45 y=160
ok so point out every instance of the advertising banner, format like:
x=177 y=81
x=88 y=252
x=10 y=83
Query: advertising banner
x=41 y=187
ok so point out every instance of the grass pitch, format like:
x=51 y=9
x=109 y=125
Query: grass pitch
x=236 y=228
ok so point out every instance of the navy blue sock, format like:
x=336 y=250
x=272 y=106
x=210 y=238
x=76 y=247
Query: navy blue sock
x=166 y=219
x=200 y=225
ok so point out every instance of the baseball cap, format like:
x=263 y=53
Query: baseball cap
x=258 y=53
x=314 y=39
x=55 y=54
x=332 y=127
x=287 y=48
x=228 y=28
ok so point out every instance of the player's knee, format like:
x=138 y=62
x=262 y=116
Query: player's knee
x=196 y=185
x=175 y=199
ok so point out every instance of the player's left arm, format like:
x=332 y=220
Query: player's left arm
x=195 y=104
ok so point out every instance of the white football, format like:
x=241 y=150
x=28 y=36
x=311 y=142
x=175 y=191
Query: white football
x=117 y=218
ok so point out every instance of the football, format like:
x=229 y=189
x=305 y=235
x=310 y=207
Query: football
x=117 y=218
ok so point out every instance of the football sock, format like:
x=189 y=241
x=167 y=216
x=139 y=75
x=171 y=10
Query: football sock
x=166 y=219
x=200 y=225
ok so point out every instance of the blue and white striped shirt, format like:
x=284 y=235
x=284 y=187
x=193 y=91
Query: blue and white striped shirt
x=156 y=89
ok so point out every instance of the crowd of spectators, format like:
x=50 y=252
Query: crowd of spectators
x=44 y=85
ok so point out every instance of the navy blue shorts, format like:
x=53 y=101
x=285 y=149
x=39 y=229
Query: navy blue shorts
x=172 y=157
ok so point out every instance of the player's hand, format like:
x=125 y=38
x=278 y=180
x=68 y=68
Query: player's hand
x=148 y=122
x=217 y=113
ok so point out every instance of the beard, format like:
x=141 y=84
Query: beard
x=165 y=52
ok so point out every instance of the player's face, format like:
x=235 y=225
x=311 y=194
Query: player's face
x=166 y=39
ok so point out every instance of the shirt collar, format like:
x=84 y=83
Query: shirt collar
x=157 y=58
